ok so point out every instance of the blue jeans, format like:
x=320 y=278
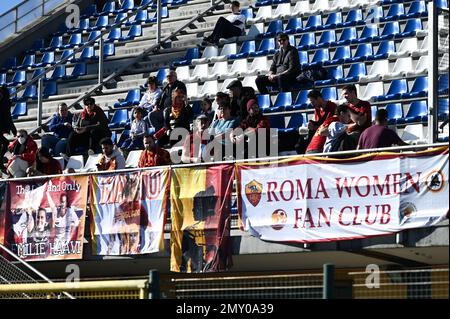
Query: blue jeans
x=54 y=144
x=130 y=144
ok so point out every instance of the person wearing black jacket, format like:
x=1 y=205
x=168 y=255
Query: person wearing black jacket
x=240 y=95
x=284 y=69
x=90 y=128
x=6 y=123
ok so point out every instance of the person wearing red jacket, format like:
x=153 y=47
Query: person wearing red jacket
x=24 y=150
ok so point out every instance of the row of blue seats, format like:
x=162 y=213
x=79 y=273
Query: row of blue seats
x=262 y=3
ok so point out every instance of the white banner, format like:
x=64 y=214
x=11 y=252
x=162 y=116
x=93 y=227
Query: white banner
x=314 y=199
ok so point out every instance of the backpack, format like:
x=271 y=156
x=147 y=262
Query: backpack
x=316 y=73
x=344 y=142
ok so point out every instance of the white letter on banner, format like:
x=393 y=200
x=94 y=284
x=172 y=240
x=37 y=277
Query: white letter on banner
x=373 y=279
x=73 y=278
x=73 y=19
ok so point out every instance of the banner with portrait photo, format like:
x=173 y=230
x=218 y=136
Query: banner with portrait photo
x=314 y=199
x=200 y=212
x=44 y=219
x=128 y=212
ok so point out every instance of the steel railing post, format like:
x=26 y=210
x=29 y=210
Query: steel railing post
x=100 y=60
x=39 y=101
x=432 y=72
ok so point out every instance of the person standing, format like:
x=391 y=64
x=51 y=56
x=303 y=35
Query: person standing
x=6 y=124
x=357 y=106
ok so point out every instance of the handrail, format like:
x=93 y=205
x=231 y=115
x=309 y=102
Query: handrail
x=262 y=159
x=152 y=49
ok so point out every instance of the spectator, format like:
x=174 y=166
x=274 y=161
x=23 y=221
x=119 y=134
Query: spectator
x=90 y=128
x=221 y=127
x=23 y=150
x=45 y=164
x=111 y=158
x=231 y=26
x=285 y=68
x=318 y=140
x=156 y=118
x=323 y=110
x=207 y=110
x=337 y=129
x=137 y=132
x=177 y=116
x=221 y=97
x=379 y=135
x=359 y=106
x=153 y=155
x=195 y=144
x=240 y=95
x=6 y=124
x=149 y=100
x=254 y=121
x=61 y=127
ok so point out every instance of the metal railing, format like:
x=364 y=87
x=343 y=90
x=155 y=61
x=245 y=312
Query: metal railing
x=152 y=49
x=24 y=14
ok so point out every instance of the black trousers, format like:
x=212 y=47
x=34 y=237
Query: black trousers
x=224 y=29
x=3 y=148
x=87 y=140
x=283 y=83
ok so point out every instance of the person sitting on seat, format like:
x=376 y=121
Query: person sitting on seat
x=111 y=158
x=194 y=145
x=91 y=127
x=337 y=129
x=23 y=150
x=231 y=26
x=45 y=164
x=284 y=69
x=240 y=95
x=137 y=132
x=61 y=127
x=207 y=110
x=153 y=155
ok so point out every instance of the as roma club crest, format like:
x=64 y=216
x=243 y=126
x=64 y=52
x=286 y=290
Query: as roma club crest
x=253 y=192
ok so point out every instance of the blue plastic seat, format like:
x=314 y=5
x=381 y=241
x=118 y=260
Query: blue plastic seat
x=164 y=14
x=9 y=64
x=417 y=9
x=312 y=24
x=93 y=35
x=373 y=110
x=320 y=56
x=443 y=84
x=340 y=55
x=89 y=11
x=114 y=35
x=335 y=73
x=102 y=22
x=374 y=14
x=443 y=109
x=78 y=70
x=2 y=79
x=27 y=62
x=419 y=88
x=303 y=58
x=353 y=18
x=334 y=19
x=50 y=88
x=133 y=97
x=18 y=78
x=369 y=33
x=327 y=38
x=84 y=26
x=347 y=36
x=120 y=17
x=246 y=48
x=395 y=91
x=301 y=102
x=196 y=108
x=134 y=32
x=263 y=101
x=247 y=12
x=442 y=4
x=395 y=11
x=127 y=5
x=389 y=31
x=273 y=29
x=356 y=71
x=266 y=47
x=109 y=50
x=191 y=53
x=394 y=113
x=59 y=73
x=294 y=123
x=87 y=54
x=141 y=17
x=108 y=8
x=123 y=137
x=385 y=48
x=363 y=51
x=161 y=74
x=29 y=93
x=411 y=27
x=417 y=112
x=293 y=25
x=55 y=43
x=329 y=93
x=277 y=121
x=75 y=40
x=66 y=53
x=307 y=41
x=282 y=100
x=20 y=109
x=48 y=58
x=119 y=119
x=38 y=72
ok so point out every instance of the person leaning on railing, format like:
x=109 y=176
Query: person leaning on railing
x=91 y=127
